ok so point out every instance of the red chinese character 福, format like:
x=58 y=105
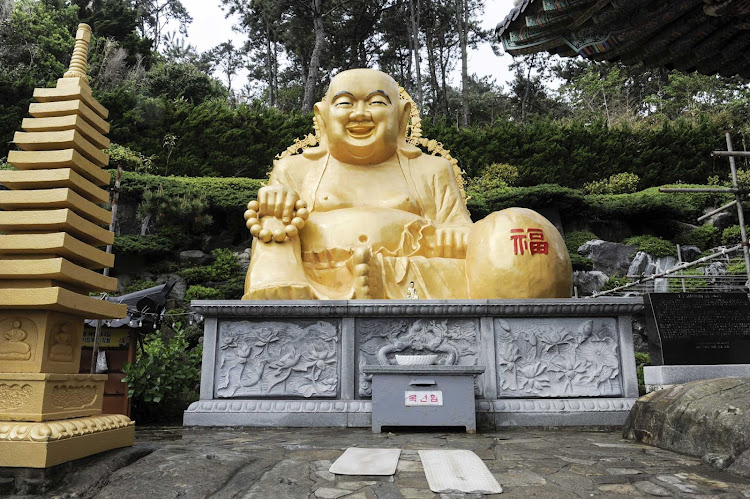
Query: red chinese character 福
x=531 y=241
x=519 y=241
x=537 y=244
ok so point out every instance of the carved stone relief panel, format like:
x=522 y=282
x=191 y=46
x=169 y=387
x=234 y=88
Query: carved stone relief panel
x=63 y=342
x=561 y=357
x=17 y=339
x=271 y=359
x=13 y=396
x=455 y=341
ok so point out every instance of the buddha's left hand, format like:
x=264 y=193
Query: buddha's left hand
x=450 y=242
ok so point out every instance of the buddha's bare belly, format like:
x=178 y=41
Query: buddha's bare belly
x=346 y=228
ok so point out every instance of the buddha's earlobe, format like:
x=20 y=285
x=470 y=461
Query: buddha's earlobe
x=404 y=113
x=408 y=150
x=322 y=147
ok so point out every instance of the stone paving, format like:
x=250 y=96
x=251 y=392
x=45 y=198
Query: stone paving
x=293 y=463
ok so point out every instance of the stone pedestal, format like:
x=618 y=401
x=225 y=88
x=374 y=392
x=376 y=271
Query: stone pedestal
x=660 y=377
x=547 y=362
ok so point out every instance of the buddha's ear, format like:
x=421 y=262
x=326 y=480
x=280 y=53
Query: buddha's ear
x=322 y=147
x=318 y=111
x=404 y=113
x=405 y=148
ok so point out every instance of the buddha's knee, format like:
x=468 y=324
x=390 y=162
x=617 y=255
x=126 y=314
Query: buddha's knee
x=517 y=253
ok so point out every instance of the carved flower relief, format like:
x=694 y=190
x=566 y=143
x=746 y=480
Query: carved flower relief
x=14 y=396
x=547 y=360
x=279 y=359
x=73 y=397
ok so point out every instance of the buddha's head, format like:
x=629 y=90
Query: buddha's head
x=362 y=120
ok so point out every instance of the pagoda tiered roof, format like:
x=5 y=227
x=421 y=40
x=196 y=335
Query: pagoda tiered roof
x=708 y=36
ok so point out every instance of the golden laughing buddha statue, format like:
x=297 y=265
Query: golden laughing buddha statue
x=365 y=213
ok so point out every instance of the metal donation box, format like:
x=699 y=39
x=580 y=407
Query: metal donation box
x=423 y=396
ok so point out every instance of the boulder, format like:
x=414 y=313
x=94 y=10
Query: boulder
x=690 y=253
x=644 y=264
x=589 y=282
x=194 y=257
x=707 y=418
x=610 y=258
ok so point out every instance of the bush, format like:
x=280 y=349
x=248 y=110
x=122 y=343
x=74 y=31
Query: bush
x=704 y=237
x=222 y=269
x=615 y=282
x=151 y=245
x=186 y=212
x=619 y=183
x=731 y=236
x=743 y=177
x=138 y=285
x=581 y=262
x=128 y=159
x=224 y=194
x=197 y=292
x=654 y=246
x=493 y=176
x=576 y=239
x=163 y=380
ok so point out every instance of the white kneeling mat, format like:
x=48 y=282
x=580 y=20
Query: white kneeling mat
x=450 y=471
x=358 y=461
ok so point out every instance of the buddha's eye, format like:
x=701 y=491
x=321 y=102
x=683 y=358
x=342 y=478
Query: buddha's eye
x=378 y=102
x=343 y=103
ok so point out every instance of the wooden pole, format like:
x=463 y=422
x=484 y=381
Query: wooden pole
x=115 y=200
x=740 y=213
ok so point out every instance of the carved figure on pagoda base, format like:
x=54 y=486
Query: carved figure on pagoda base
x=365 y=212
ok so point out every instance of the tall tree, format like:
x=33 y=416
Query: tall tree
x=154 y=15
x=414 y=14
x=229 y=59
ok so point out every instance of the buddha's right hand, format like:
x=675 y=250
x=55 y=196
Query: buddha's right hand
x=277 y=201
x=277 y=214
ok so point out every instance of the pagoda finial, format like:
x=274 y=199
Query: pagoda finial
x=80 y=54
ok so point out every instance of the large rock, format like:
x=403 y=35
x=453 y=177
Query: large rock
x=610 y=258
x=194 y=257
x=589 y=282
x=706 y=418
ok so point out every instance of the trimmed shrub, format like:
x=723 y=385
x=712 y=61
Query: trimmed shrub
x=197 y=292
x=731 y=236
x=654 y=246
x=704 y=237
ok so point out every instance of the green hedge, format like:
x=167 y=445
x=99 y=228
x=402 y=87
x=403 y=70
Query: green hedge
x=225 y=194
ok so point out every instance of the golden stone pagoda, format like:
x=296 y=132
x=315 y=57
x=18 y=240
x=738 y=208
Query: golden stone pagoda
x=51 y=223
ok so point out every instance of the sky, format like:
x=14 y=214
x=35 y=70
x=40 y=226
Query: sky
x=210 y=27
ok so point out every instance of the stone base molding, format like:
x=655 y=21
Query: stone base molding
x=46 y=397
x=41 y=445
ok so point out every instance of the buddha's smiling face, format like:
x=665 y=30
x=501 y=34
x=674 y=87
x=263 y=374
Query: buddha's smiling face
x=361 y=117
